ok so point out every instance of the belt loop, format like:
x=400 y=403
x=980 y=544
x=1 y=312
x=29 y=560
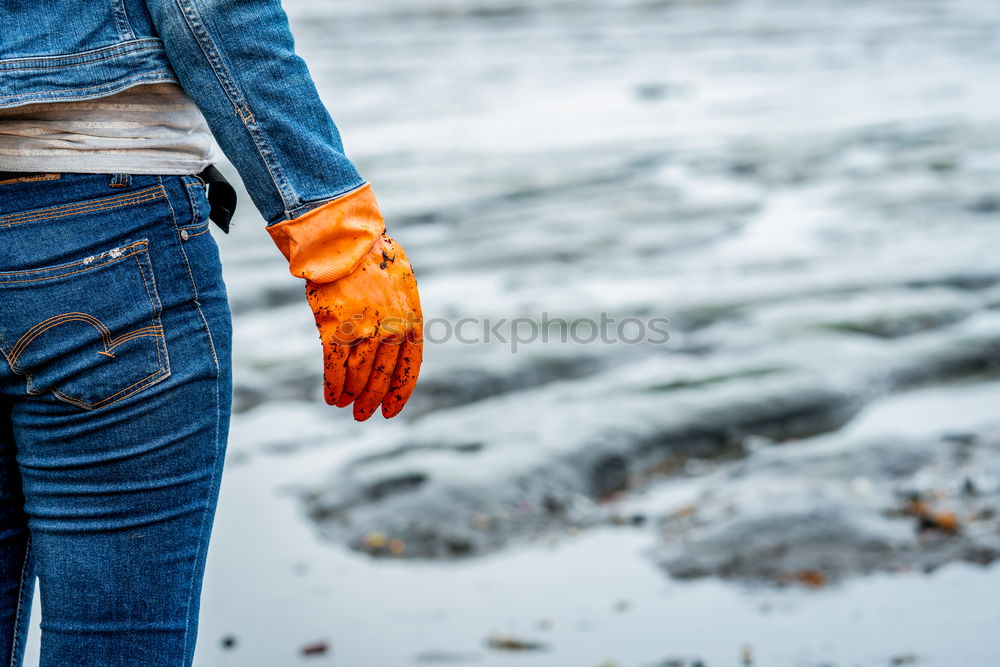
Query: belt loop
x=119 y=180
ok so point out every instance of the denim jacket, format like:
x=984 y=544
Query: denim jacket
x=235 y=58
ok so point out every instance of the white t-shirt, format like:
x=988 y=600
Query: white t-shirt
x=147 y=129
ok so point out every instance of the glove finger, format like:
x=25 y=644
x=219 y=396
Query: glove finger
x=378 y=381
x=359 y=366
x=404 y=378
x=334 y=370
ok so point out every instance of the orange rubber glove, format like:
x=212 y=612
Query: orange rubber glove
x=364 y=298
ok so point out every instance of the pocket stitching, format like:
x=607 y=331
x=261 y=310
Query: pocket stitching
x=163 y=370
x=90 y=265
x=152 y=378
x=29 y=336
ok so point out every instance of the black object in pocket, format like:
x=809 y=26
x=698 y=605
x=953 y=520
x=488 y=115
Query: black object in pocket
x=221 y=197
x=88 y=331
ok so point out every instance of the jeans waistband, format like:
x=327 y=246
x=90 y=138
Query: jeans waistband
x=221 y=194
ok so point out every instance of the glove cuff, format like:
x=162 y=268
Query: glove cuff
x=328 y=242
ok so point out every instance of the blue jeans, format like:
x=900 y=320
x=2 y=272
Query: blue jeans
x=115 y=397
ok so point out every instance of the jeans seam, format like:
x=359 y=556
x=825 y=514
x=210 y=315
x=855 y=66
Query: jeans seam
x=194 y=289
x=81 y=211
x=216 y=471
x=88 y=206
x=20 y=601
x=214 y=485
x=156 y=317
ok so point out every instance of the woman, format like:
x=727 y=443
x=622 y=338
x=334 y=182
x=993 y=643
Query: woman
x=114 y=323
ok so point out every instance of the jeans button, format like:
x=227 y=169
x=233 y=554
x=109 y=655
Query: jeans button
x=184 y=235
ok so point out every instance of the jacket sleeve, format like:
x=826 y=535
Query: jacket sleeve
x=237 y=61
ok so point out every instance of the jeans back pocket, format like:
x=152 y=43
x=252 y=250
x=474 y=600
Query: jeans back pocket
x=88 y=332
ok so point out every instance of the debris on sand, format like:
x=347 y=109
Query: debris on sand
x=316 y=648
x=511 y=643
x=929 y=519
x=444 y=658
x=810 y=578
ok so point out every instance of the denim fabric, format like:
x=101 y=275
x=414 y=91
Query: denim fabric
x=115 y=397
x=235 y=58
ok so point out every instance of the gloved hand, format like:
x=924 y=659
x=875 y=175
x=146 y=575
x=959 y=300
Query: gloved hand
x=364 y=299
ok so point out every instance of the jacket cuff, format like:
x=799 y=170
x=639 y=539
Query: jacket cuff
x=328 y=242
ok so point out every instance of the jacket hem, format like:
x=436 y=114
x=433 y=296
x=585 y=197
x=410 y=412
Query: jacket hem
x=310 y=205
x=64 y=77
